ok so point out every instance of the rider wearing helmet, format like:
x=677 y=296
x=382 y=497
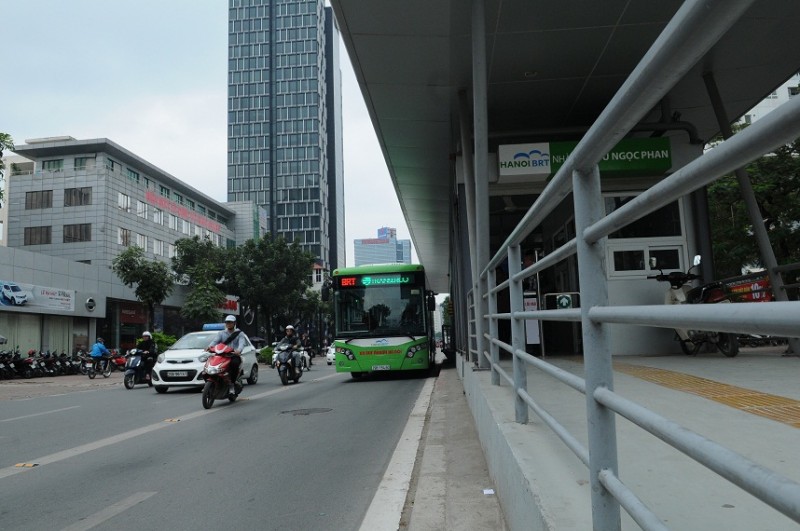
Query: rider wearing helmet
x=236 y=339
x=294 y=343
x=149 y=353
x=98 y=351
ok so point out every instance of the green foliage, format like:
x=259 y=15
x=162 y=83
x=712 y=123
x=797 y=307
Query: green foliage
x=775 y=178
x=201 y=262
x=152 y=278
x=163 y=341
x=265 y=355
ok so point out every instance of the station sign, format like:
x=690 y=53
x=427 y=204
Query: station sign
x=630 y=157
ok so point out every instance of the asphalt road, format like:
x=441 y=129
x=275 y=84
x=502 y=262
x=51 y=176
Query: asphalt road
x=306 y=456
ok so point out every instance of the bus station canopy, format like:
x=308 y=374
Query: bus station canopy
x=552 y=66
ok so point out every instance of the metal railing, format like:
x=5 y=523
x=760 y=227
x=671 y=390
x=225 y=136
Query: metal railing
x=691 y=33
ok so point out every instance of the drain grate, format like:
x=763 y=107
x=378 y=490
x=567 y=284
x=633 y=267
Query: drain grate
x=296 y=412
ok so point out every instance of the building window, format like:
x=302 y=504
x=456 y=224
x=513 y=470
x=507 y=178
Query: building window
x=170 y=250
x=186 y=227
x=37 y=235
x=158 y=216
x=141 y=241
x=165 y=191
x=158 y=248
x=78 y=233
x=178 y=199
x=141 y=209
x=53 y=165
x=82 y=163
x=124 y=202
x=77 y=196
x=318 y=276
x=132 y=175
x=124 y=237
x=111 y=165
x=173 y=222
x=42 y=199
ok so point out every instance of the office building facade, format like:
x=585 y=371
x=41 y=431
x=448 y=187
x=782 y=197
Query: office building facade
x=279 y=123
x=385 y=249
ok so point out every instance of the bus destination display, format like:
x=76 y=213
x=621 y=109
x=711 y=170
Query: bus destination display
x=391 y=279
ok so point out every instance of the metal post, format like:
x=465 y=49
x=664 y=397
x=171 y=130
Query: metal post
x=598 y=371
x=481 y=157
x=468 y=162
x=517 y=332
x=494 y=350
x=753 y=211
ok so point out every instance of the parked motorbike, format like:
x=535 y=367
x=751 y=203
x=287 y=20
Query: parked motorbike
x=287 y=365
x=680 y=292
x=136 y=369
x=219 y=384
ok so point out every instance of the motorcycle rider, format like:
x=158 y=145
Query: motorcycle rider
x=238 y=343
x=149 y=353
x=294 y=344
x=98 y=351
x=305 y=342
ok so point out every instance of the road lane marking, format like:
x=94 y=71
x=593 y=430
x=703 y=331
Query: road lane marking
x=387 y=505
x=37 y=414
x=109 y=512
x=114 y=439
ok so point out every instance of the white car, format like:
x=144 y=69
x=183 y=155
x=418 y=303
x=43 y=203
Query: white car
x=331 y=354
x=182 y=363
x=13 y=293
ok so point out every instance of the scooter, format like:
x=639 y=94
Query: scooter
x=215 y=373
x=136 y=369
x=285 y=362
x=680 y=292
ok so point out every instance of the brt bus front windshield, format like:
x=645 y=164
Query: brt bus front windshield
x=380 y=311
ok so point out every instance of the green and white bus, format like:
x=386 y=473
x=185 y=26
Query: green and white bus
x=384 y=319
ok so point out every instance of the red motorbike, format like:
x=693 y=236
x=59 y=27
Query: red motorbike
x=219 y=384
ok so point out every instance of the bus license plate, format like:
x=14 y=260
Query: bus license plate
x=380 y=367
x=176 y=374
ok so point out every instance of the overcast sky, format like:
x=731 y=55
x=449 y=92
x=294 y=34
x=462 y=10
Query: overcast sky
x=151 y=75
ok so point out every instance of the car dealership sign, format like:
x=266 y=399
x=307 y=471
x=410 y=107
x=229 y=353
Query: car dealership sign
x=631 y=156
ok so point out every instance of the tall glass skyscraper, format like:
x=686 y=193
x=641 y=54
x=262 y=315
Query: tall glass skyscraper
x=284 y=120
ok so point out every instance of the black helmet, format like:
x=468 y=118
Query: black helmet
x=100 y=340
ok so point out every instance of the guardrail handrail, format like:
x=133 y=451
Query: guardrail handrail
x=690 y=34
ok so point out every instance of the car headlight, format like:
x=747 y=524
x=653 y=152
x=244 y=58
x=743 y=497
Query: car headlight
x=161 y=358
x=203 y=358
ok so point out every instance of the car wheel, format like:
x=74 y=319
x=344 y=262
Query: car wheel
x=161 y=389
x=253 y=378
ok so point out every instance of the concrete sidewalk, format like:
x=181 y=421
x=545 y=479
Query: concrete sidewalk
x=451 y=487
x=749 y=404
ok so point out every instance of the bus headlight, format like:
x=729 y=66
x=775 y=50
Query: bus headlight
x=347 y=352
x=413 y=350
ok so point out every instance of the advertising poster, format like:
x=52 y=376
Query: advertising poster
x=33 y=296
x=531 y=304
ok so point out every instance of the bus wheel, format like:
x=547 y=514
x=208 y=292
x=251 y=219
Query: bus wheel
x=356 y=375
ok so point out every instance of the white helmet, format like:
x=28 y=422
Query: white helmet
x=230 y=318
x=146 y=333
x=289 y=327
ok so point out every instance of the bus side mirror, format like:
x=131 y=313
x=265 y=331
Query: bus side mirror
x=431 y=302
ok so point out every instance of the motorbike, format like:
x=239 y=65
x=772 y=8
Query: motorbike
x=101 y=364
x=136 y=369
x=218 y=383
x=286 y=364
x=680 y=292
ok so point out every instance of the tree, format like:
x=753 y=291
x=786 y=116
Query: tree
x=6 y=143
x=270 y=275
x=153 y=278
x=775 y=178
x=201 y=264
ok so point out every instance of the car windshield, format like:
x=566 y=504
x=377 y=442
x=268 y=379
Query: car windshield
x=15 y=288
x=195 y=340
